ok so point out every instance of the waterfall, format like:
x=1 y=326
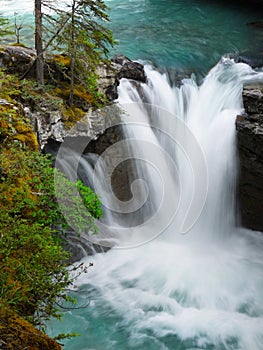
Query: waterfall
x=182 y=275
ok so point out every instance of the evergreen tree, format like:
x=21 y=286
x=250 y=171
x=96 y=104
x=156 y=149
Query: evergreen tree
x=78 y=29
x=4 y=27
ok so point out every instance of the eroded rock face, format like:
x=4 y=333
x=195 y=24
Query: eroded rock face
x=97 y=122
x=46 y=119
x=47 y=124
x=250 y=150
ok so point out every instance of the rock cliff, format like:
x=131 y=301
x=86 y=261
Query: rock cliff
x=250 y=151
x=47 y=119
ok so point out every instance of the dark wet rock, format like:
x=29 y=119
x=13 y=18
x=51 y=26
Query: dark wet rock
x=121 y=67
x=258 y=25
x=250 y=150
x=121 y=60
x=79 y=247
x=253 y=100
x=132 y=70
x=254 y=60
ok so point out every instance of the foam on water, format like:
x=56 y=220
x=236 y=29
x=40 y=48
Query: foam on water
x=200 y=290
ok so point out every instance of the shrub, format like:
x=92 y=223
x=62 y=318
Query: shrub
x=32 y=261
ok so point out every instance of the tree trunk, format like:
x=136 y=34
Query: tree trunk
x=72 y=53
x=39 y=43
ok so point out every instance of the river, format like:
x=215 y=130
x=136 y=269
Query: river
x=189 y=278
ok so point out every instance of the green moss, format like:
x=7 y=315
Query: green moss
x=14 y=126
x=62 y=59
x=16 y=331
x=79 y=93
x=33 y=264
x=71 y=115
x=17 y=44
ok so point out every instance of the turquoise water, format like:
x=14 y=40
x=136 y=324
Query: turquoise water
x=183 y=34
x=190 y=35
x=165 y=297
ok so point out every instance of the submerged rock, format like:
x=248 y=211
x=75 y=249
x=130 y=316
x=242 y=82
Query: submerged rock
x=250 y=150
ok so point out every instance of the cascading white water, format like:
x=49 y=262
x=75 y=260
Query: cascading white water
x=200 y=290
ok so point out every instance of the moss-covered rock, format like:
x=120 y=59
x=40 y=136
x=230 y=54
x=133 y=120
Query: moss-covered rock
x=15 y=126
x=16 y=333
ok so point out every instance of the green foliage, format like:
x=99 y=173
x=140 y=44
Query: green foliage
x=62 y=336
x=90 y=200
x=86 y=18
x=4 y=27
x=33 y=275
x=79 y=30
x=30 y=188
x=28 y=92
x=14 y=127
x=32 y=261
x=78 y=204
x=38 y=203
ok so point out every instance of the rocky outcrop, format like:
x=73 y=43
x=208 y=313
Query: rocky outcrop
x=121 y=67
x=16 y=59
x=96 y=122
x=250 y=150
x=47 y=123
x=46 y=117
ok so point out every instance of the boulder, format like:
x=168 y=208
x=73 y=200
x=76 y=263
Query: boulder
x=121 y=67
x=16 y=59
x=132 y=70
x=21 y=60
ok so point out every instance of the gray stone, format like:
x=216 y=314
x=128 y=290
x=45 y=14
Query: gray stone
x=250 y=151
x=83 y=127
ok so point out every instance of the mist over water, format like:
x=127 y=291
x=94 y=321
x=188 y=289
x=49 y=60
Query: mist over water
x=202 y=289
x=198 y=290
